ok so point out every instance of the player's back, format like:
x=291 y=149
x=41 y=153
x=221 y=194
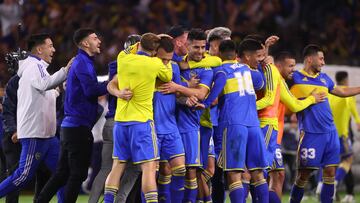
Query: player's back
x=165 y=106
x=138 y=73
x=238 y=103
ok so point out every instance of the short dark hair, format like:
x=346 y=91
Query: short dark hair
x=196 y=34
x=131 y=40
x=176 y=31
x=36 y=40
x=340 y=76
x=227 y=49
x=256 y=37
x=310 y=50
x=149 y=41
x=248 y=45
x=81 y=34
x=166 y=44
x=281 y=56
x=214 y=37
x=227 y=46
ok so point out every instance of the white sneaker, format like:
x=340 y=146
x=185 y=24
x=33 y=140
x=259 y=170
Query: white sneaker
x=348 y=199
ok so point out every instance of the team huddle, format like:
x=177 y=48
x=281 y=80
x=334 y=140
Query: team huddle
x=193 y=110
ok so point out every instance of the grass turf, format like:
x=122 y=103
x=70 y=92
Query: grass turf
x=26 y=198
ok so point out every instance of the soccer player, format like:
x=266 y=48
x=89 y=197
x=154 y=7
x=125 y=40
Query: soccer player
x=169 y=140
x=179 y=35
x=107 y=148
x=342 y=110
x=208 y=125
x=238 y=119
x=285 y=63
x=251 y=53
x=134 y=133
x=188 y=118
x=319 y=143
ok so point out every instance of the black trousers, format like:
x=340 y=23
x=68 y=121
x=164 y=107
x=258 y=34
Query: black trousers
x=73 y=164
x=12 y=156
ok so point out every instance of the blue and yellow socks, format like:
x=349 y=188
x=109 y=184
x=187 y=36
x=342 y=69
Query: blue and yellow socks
x=177 y=184
x=273 y=197
x=151 y=196
x=327 y=190
x=340 y=174
x=297 y=191
x=261 y=190
x=246 y=186
x=236 y=192
x=164 y=188
x=190 y=190
x=110 y=194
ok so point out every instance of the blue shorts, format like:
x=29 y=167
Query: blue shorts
x=211 y=152
x=135 y=142
x=207 y=145
x=345 y=147
x=278 y=163
x=270 y=142
x=318 y=150
x=243 y=146
x=217 y=135
x=170 y=146
x=191 y=141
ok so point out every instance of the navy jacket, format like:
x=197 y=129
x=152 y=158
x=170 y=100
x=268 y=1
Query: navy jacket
x=10 y=105
x=82 y=92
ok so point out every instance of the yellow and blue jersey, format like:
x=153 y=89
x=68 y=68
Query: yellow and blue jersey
x=342 y=110
x=188 y=119
x=139 y=74
x=318 y=117
x=237 y=103
x=165 y=107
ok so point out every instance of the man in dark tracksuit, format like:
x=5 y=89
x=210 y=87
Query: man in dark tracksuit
x=81 y=103
x=11 y=147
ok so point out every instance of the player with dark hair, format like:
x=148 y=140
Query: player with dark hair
x=319 y=143
x=172 y=156
x=285 y=63
x=36 y=114
x=251 y=52
x=81 y=109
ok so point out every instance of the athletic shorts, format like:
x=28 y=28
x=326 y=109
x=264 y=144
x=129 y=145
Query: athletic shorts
x=277 y=163
x=136 y=142
x=217 y=137
x=191 y=142
x=170 y=146
x=270 y=136
x=345 y=147
x=318 y=150
x=207 y=145
x=242 y=146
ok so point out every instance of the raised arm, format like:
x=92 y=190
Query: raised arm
x=41 y=81
x=345 y=91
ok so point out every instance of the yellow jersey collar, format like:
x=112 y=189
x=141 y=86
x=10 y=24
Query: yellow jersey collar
x=229 y=61
x=308 y=75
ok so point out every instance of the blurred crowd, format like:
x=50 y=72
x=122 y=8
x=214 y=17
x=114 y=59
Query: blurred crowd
x=333 y=23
